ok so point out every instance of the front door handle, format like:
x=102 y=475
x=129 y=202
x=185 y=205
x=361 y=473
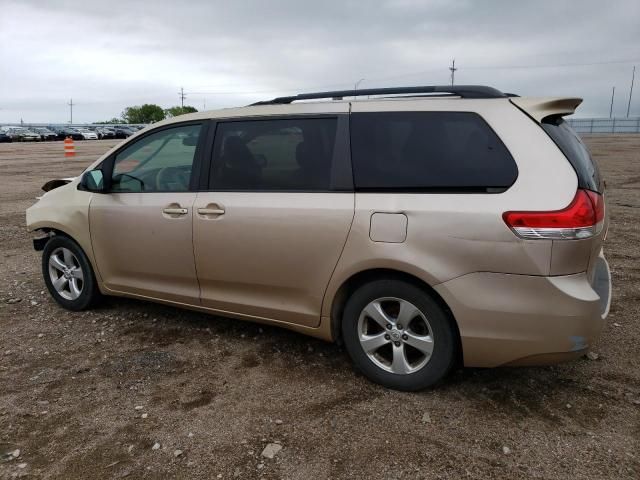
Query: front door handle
x=175 y=211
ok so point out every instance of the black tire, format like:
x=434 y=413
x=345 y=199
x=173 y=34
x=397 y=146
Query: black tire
x=89 y=293
x=444 y=335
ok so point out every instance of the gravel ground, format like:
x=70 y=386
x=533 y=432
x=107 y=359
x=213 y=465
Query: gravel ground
x=138 y=390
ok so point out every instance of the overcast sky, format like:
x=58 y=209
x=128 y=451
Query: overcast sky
x=110 y=54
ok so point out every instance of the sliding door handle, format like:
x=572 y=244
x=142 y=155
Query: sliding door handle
x=211 y=211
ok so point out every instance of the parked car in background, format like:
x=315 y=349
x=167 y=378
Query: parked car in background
x=123 y=132
x=105 y=133
x=45 y=133
x=423 y=232
x=22 y=134
x=88 y=134
x=64 y=132
x=4 y=138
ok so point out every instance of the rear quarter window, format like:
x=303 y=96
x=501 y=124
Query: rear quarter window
x=576 y=152
x=428 y=151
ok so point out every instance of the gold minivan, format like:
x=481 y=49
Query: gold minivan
x=420 y=226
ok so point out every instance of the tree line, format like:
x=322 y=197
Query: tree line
x=150 y=113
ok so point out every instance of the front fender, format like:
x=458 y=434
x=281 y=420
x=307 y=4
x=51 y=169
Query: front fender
x=66 y=210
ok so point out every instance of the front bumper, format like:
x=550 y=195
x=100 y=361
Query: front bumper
x=528 y=320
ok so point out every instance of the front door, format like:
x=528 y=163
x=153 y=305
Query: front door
x=141 y=231
x=271 y=228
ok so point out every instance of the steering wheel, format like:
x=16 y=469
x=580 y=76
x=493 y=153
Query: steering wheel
x=172 y=179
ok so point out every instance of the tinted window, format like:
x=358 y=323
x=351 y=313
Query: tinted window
x=290 y=154
x=428 y=151
x=158 y=162
x=576 y=152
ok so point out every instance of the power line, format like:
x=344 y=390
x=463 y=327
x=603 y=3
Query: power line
x=553 y=65
x=633 y=77
x=453 y=70
x=71 y=110
x=613 y=93
x=373 y=78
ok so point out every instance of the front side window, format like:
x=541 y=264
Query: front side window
x=159 y=162
x=428 y=151
x=276 y=155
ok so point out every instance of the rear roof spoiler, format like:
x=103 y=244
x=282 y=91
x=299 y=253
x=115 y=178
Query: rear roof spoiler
x=541 y=108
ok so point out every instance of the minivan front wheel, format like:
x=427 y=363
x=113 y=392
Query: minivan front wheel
x=397 y=335
x=68 y=274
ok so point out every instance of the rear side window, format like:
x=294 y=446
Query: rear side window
x=576 y=152
x=277 y=155
x=428 y=151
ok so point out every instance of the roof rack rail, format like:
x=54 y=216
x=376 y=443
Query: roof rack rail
x=464 y=91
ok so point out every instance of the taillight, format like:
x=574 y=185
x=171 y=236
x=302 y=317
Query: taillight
x=583 y=218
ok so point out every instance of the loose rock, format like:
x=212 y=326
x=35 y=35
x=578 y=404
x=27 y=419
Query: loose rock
x=271 y=450
x=177 y=453
x=426 y=418
x=156 y=446
x=506 y=450
x=592 y=356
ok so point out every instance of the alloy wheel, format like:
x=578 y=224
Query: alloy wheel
x=65 y=273
x=395 y=335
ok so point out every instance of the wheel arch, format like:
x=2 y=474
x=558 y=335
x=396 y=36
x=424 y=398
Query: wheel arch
x=52 y=230
x=358 y=279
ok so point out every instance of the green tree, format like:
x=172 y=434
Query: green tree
x=175 y=111
x=147 y=113
x=113 y=120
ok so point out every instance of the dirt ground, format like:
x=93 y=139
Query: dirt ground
x=88 y=395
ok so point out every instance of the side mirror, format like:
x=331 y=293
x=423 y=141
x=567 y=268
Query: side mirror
x=92 y=181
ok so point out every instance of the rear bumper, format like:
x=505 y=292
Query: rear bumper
x=528 y=320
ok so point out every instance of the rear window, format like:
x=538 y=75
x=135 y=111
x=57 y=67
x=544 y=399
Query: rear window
x=428 y=151
x=576 y=152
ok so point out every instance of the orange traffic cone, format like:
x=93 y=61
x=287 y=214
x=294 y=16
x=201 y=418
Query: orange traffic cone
x=69 y=148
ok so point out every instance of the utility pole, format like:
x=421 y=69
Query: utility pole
x=182 y=96
x=633 y=77
x=453 y=71
x=71 y=110
x=613 y=92
x=355 y=85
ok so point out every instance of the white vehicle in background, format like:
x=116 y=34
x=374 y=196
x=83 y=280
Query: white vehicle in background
x=87 y=134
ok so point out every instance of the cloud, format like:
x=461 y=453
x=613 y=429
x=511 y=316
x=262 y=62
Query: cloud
x=108 y=55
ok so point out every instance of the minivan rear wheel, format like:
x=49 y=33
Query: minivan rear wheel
x=397 y=335
x=68 y=274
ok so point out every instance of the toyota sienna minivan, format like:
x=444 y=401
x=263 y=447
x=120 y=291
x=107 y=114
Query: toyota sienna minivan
x=423 y=227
